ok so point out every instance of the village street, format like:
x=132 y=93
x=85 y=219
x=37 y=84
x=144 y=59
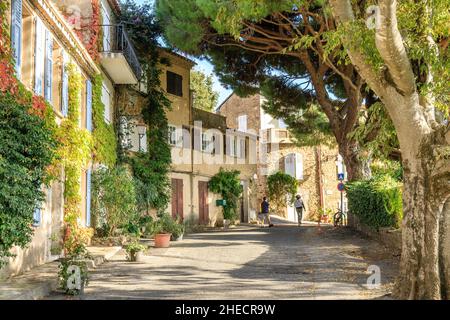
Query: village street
x=283 y=262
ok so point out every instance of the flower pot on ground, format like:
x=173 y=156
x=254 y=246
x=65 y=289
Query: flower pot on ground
x=163 y=228
x=162 y=240
x=134 y=250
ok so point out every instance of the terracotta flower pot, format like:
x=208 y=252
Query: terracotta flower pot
x=162 y=240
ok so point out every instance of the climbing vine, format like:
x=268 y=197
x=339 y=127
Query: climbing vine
x=75 y=154
x=105 y=145
x=151 y=169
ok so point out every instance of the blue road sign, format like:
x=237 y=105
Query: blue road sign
x=341 y=176
x=341 y=186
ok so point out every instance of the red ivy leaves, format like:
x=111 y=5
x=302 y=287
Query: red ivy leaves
x=8 y=82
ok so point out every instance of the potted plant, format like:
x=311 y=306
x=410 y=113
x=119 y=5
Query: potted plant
x=162 y=230
x=177 y=231
x=73 y=270
x=134 y=250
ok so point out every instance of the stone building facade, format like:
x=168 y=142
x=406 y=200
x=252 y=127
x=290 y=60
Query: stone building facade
x=47 y=36
x=315 y=167
x=199 y=148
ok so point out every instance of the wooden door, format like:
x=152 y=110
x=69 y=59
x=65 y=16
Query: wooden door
x=177 y=198
x=203 y=202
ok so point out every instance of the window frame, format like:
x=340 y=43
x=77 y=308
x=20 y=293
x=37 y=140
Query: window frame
x=177 y=89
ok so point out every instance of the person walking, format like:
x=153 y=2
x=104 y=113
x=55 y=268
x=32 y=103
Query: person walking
x=265 y=211
x=299 y=207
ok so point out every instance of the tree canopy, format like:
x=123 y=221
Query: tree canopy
x=205 y=97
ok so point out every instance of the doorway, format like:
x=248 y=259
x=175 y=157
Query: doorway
x=203 y=207
x=177 y=198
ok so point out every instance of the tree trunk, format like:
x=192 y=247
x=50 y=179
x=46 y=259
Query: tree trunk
x=356 y=167
x=425 y=260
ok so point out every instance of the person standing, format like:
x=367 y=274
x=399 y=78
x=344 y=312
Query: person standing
x=265 y=208
x=299 y=207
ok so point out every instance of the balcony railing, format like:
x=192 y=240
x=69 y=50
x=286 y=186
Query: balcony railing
x=116 y=40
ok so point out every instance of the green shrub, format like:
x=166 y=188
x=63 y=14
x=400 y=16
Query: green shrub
x=281 y=187
x=376 y=202
x=114 y=204
x=387 y=167
x=166 y=224
x=27 y=148
x=228 y=185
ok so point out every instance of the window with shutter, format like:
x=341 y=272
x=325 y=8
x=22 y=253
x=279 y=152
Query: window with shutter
x=37 y=217
x=39 y=57
x=172 y=135
x=205 y=142
x=89 y=105
x=48 y=66
x=88 y=197
x=142 y=131
x=64 y=87
x=186 y=137
x=16 y=34
x=174 y=84
x=106 y=99
x=289 y=165
x=242 y=123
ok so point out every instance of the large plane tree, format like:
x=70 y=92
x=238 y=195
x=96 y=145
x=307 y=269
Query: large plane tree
x=405 y=62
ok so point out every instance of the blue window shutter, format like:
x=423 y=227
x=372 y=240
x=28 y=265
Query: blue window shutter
x=39 y=58
x=65 y=91
x=89 y=105
x=48 y=65
x=16 y=33
x=88 y=197
x=37 y=217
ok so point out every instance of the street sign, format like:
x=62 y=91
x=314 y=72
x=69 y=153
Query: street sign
x=221 y=202
x=341 y=186
x=341 y=176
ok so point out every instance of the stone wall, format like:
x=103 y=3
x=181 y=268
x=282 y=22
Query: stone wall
x=389 y=237
x=235 y=106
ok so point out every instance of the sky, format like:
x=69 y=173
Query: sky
x=208 y=69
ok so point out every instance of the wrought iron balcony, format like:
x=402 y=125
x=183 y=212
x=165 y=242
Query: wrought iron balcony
x=118 y=56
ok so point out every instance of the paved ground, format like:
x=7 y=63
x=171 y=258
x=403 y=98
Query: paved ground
x=283 y=262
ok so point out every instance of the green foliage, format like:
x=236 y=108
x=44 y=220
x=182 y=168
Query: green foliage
x=150 y=169
x=307 y=122
x=376 y=133
x=166 y=224
x=204 y=95
x=77 y=258
x=27 y=148
x=114 y=204
x=75 y=150
x=134 y=247
x=376 y=202
x=228 y=185
x=282 y=189
x=105 y=142
x=391 y=168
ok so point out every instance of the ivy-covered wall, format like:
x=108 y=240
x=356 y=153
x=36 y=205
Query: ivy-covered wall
x=28 y=143
x=105 y=140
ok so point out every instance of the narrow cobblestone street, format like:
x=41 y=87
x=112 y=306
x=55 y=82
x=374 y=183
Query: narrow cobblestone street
x=284 y=262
